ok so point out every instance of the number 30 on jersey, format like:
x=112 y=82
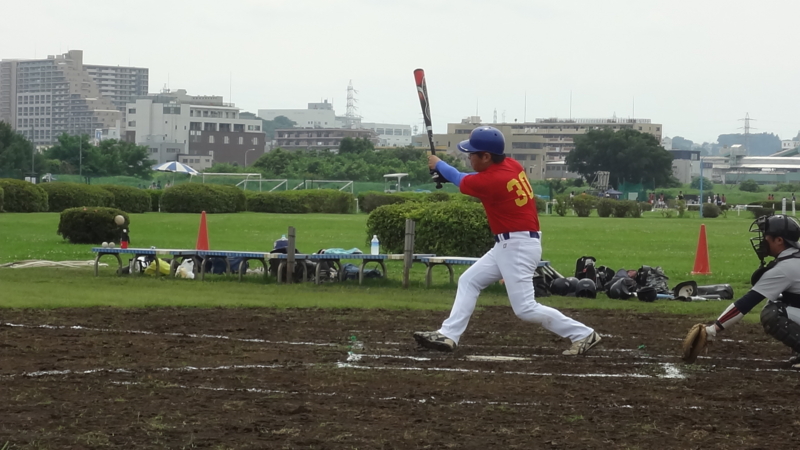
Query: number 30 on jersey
x=523 y=189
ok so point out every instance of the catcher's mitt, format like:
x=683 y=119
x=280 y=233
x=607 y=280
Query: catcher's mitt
x=694 y=343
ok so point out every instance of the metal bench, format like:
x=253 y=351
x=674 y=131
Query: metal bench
x=450 y=261
x=137 y=252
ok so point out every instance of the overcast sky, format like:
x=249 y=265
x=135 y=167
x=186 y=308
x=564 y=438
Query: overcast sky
x=694 y=66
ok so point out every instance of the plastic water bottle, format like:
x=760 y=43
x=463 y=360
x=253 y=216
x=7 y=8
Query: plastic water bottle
x=375 y=245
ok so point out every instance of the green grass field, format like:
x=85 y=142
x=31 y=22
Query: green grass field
x=617 y=243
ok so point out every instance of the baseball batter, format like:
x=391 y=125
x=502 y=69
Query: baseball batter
x=501 y=185
x=778 y=282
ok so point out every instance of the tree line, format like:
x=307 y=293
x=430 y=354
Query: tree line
x=72 y=155
x=355 y=159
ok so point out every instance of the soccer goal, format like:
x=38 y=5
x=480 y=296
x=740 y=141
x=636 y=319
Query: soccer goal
x=341 y=185
x=250 y=181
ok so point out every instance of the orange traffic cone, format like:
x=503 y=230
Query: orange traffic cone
x=202 y=234
x=701 y=265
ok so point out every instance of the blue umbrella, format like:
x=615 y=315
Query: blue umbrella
x=175 y=166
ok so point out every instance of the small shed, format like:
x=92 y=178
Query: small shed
x=392 y=182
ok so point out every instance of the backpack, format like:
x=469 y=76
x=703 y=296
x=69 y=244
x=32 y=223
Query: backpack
x=653 y=277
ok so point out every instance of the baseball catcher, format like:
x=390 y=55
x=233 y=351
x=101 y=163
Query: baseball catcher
x=778 y=282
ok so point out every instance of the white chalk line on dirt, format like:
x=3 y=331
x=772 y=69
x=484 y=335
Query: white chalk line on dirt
x=435 y=400
x=265 y=341
x=671 y=371
x=152 y=333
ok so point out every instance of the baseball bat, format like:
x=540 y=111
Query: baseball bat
x=422 y=91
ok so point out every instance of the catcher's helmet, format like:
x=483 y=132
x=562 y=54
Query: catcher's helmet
x=484 y=139
x=559 y=286
x=776 y=226
x=586 y=288
x=647 y=294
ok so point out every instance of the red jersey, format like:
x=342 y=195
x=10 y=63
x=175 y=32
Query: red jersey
x=506 y=195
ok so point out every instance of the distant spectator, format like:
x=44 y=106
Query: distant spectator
x=680 y=195
x=158 y=185
x=724 y=202
x=793 y=199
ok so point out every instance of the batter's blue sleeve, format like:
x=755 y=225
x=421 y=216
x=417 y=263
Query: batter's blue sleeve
x=451 y=173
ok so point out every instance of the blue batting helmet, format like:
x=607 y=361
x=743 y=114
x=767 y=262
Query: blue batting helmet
x=484 y=139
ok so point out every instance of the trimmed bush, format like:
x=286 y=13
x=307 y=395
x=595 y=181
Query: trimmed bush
x=196 y=198
x=388 y=222
x=370 y=200
x=563 y=204
x=438 y=197
x=645 y=206
x=328 y=201
x=710 y=210
x=240 y=199
x=749 y=186
x=1 y=199
x=633 y=208
x=443 y=228
x=627 y=208
x=605 y=207
x=61 y=196
x=583 y=204
x=276 y=202
x=129 y=199
x=541 y=205
x=155 y=198
x=90 y=225
x=758 y=212
x=22 y=196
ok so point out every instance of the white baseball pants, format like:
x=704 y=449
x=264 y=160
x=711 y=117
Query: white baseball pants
x=514 y=260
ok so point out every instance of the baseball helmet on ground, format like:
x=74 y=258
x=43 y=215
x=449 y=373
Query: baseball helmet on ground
x=559 y=286
x=586 y=288
x=619 y=290
x=647 y=294
x=573 y=285
x=484 y=139
x=685 y=289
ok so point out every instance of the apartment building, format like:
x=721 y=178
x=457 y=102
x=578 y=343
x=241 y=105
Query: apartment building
x=198 y=130
x=318 y=138
x=536 y=145
x=44 y=98
x=390 y=134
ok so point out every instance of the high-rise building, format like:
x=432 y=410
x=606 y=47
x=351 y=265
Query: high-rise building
x=43 y=98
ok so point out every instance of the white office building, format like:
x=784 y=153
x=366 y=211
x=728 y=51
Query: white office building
x=197 y=130
x=390 y=134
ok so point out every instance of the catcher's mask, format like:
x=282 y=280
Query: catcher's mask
x=776 y=226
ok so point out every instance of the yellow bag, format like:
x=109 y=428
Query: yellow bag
x=163 y=266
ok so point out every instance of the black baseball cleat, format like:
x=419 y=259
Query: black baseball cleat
x=434 y=341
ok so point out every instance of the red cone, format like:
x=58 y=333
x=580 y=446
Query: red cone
x=701 y=265
x=202 y=234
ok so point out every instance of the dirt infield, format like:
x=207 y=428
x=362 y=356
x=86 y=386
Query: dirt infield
x=262 y=378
